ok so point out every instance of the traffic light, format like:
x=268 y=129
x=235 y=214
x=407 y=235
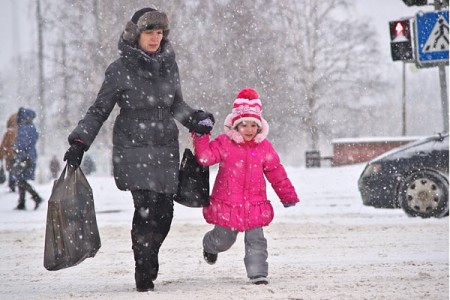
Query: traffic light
x=401 y=44
x=415 y=2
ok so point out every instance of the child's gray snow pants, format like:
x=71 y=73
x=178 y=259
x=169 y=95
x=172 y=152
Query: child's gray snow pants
x=221 y=239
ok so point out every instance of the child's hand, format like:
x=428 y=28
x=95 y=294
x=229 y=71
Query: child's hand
x=289 y=204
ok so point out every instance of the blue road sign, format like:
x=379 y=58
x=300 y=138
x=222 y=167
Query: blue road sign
x=432 y=37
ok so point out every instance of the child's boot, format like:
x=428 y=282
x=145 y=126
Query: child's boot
x=209 y=257
x=259 y=280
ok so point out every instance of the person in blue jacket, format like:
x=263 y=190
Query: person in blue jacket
x=25 y=148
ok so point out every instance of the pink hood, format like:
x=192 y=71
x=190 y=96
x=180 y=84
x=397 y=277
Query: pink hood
x=236 y=136
x=239 y=199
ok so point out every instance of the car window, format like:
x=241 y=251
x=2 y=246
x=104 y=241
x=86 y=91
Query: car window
x=426 y=145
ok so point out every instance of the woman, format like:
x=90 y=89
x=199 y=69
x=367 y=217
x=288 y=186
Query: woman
x=26 y=156
x=6 y=149
x=145 y=83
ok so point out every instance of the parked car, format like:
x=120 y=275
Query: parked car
x=413 y=177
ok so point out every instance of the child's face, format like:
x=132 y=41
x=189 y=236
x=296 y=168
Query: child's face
x=248 y=130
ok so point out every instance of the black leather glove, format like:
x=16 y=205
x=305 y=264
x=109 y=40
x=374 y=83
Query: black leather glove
x=201 y=122
x=74 y=154
x=289 y=204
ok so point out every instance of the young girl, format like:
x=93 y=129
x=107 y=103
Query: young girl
x=238 y=200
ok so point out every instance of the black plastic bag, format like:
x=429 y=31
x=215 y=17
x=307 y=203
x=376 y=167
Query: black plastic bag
x=2 y=174
x=71 y=233
x=193 y=185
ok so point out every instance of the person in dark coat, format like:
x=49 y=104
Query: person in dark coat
x=145 y=83
x=54 y=167
x=26 y=156
x=88 y=165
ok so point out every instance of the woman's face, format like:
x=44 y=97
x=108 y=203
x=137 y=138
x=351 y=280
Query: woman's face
x=248 y=130
x=150 y=40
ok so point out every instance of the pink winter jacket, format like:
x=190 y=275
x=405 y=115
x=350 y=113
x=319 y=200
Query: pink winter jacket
x=238 y=199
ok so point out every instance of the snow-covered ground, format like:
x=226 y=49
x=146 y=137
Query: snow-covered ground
x=329 y=246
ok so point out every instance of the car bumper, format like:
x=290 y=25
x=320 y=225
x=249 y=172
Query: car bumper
x=377 y=192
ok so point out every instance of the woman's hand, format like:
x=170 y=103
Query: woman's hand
x=74 y=154
x=201 y=122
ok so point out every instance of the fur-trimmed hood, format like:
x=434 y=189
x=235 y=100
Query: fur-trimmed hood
x=235 y=136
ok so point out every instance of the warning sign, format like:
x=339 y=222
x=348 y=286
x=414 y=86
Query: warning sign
x=438 y=39
x=432 y=42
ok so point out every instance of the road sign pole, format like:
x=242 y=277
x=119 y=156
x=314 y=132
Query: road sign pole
x=443 y=81
x=444 y=95
x=404 y=99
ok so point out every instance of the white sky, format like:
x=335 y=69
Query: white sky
x=17 y=23
x=16 y=28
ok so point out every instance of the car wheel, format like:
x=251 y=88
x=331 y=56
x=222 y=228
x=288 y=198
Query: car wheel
x=424 y=194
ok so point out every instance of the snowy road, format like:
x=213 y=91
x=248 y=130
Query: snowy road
x=328 y=247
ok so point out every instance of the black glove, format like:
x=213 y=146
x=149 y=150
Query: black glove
x=289 y=204
x=75 y=154
x=201 y=122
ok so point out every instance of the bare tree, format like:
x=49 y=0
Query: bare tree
x=312 y=61
x=334 y=59
x=40 y=57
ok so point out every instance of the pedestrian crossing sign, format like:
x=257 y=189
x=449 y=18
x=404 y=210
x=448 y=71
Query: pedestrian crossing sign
x=432 y=42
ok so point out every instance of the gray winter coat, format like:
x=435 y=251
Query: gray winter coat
x=145 y=139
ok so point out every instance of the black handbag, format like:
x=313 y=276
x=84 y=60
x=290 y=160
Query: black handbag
x=71 y=233
x=193 y=184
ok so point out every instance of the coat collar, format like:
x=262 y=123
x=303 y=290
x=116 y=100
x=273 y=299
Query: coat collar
x=145 y=65
x=236 y=137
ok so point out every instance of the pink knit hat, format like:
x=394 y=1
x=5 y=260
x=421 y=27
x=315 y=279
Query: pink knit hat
x=246 y=107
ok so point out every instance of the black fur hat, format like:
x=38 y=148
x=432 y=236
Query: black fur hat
x=145 y=19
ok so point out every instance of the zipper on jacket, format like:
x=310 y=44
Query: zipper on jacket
x=247 y=166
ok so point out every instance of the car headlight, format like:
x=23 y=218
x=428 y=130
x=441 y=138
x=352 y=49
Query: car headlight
x=372 y=169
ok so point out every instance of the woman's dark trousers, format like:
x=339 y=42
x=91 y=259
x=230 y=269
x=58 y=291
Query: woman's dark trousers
x=153 y=214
